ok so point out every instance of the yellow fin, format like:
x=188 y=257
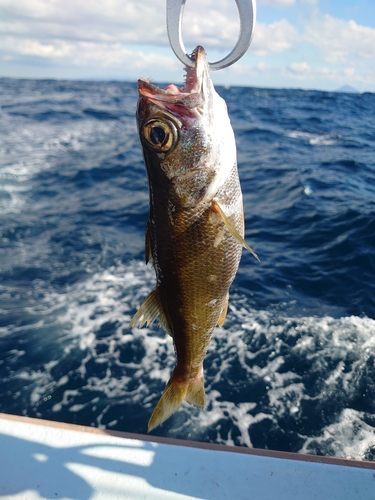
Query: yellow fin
x=149 y=310
x=223 y=313
x=233 y=231
x=174 y=394
x=195 y=394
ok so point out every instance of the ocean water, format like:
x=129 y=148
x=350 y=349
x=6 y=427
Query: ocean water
x=292 y=369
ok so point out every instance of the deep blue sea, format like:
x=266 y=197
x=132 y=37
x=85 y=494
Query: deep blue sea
x=292 y=369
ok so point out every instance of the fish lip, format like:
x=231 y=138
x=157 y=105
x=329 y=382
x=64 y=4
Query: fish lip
x=192 y=90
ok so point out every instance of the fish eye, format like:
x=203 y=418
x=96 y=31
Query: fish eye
x=161 y=135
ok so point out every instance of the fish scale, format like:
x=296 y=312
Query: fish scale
x=205 y=272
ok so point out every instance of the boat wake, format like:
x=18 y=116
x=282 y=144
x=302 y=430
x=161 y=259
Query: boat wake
x=270 y=378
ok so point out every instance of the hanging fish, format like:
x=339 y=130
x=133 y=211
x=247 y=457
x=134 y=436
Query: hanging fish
x=194 y=233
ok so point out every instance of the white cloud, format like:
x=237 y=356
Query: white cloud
x=277 y=3
x=303 y=74
x=86 y=54
x=102 y=20
x=32 y=47
x=83 y=31
x=208 y=22
x=337 y=75
x=117 y=56
x=339 y=39
x=131 y=34
x=276 y=37
x=299 y=68
x=303 y=71
x=212 y=30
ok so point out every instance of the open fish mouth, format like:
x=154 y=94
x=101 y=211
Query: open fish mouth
x=192 y=92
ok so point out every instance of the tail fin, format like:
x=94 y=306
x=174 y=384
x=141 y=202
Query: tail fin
x=176 y=391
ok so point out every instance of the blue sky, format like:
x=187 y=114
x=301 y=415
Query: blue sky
x=313 y=44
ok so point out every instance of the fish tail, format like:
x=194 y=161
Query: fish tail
x=177 y=390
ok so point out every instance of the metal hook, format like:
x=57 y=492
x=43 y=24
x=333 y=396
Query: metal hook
x=247 y=13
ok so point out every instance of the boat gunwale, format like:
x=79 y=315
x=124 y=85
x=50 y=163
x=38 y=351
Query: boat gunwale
x=193 y=444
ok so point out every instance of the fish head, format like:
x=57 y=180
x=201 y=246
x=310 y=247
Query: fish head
x=186 y=135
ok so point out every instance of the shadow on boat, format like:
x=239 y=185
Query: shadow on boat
x=61 y=471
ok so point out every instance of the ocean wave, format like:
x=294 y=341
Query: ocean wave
x=329 y=139
x=270 y=378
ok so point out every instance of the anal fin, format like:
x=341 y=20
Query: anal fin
x=149 y=310
x=233 y=231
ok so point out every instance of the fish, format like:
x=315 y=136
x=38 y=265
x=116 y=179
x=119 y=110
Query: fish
x=195 y=229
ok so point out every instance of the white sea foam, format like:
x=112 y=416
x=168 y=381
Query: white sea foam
x=350 y=437
x=122 y=366
x=28 y=150
x=315 y=139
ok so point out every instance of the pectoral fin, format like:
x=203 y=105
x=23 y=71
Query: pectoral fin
x=149 y=310
x=233 y=231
